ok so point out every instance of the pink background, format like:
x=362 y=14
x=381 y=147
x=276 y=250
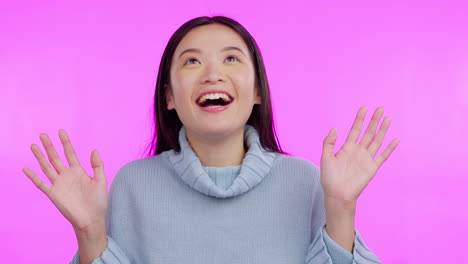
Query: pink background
x=90 y=68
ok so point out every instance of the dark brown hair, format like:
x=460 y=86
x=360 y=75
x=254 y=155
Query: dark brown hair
x=168 y=123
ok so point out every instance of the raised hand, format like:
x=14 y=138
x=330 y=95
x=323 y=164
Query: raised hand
x=346 y=173
x=81 y=199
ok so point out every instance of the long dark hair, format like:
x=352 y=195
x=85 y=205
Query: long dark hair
x=168 y=123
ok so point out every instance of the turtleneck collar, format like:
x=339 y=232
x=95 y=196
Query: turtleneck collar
x=254 y=168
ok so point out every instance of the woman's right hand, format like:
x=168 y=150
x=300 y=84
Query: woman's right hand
x=80 y=198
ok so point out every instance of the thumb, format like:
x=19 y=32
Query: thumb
x=98 y=166
x=329 y=143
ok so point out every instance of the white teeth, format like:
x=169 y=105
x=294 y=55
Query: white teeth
x=214 y=96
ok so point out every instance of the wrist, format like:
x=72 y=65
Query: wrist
x=92 y=241
x=339 y=216
x=339 y=204
x=91 y=232
x=340 y=221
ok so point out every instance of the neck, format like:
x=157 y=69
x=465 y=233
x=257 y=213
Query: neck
x=218 y=151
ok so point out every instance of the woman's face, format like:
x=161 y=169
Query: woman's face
x=212 y=81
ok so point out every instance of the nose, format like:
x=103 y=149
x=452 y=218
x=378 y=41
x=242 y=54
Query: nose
x=212 y=74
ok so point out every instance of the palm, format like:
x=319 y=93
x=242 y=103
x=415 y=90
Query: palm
x=346 y=173
x=75 y=190
x=80 y=198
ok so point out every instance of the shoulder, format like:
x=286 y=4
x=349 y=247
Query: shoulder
x=133 y=170
x=296 y=166
x=295 y=163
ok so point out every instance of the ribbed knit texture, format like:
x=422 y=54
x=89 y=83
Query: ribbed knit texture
x=223 y=177
x=270 y=209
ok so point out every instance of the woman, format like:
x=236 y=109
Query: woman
x=219 y=189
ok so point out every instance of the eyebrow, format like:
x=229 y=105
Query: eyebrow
x=222 y=50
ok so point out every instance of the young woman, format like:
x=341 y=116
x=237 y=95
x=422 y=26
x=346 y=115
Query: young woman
x=217 y=188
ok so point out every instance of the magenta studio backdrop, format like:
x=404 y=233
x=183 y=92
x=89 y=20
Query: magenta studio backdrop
x=90 y=68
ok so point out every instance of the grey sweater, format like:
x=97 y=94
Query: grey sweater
x=270 y=209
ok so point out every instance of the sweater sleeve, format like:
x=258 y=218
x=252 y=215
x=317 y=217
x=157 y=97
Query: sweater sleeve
x=111 y=255
x=324 y=249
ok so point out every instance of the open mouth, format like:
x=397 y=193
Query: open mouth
x=213 y=100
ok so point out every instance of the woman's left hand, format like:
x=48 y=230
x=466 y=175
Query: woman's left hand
x=344 y=175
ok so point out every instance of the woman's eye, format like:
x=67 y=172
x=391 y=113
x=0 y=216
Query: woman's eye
x=232 y=58
x=192 y=61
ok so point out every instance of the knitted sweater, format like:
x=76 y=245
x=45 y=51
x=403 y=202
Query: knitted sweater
x=170 y=209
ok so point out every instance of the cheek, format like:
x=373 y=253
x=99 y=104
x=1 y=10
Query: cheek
x=245 y=81
x=182 y=85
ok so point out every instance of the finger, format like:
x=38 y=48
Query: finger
x=329 y=143
x=51 y=153
x=98 y=166
x=378 y=140
x=357 y=125
x=372 y=127
x=45 y=166
x=39 y=184
x=387 y=152
x=70 y=153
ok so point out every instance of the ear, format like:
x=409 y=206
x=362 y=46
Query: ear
x=258 y=98
x=169 y=97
